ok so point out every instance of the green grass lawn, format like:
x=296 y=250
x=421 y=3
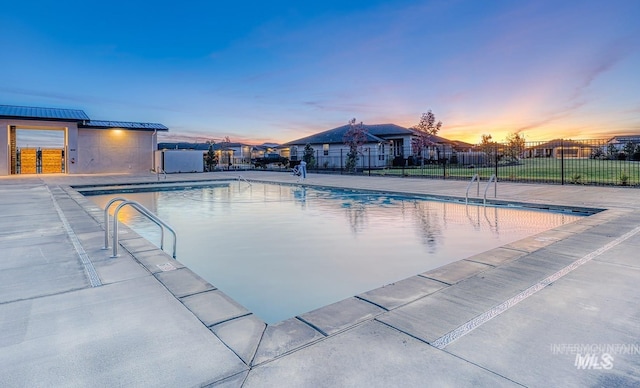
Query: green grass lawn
x=543 y=170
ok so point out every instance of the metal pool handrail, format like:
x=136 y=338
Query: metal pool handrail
x=493 y=178
x=240 y=177
x=158 y=171
x=106 y=219
x=142 y=210
x=476 y=178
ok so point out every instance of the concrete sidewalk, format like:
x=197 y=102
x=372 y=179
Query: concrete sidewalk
x=525 y=314
x=56 y=329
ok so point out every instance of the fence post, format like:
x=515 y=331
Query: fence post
x=496 y=155
x=444 y=163
x=562 y=161
x=341 y=165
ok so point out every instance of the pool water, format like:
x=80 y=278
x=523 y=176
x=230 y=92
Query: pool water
x=283 y=250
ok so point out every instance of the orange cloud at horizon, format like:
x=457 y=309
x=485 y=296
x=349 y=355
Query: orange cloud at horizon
x=467 y=132
x=473 y=135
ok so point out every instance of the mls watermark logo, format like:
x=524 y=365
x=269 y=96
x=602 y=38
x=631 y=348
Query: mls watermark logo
x=595 y=356
x=594 y=361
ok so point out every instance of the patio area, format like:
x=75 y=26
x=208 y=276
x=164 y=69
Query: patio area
x=558 y=308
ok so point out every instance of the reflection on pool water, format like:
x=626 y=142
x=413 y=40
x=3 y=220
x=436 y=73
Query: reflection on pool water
x=283 y=250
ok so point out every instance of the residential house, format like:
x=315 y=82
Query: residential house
x=384 y=143
x=259 y=151
x=621 y=141
x=559 y=148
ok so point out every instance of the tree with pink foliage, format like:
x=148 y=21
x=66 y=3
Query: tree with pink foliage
x=355 y=137
x=426 y=128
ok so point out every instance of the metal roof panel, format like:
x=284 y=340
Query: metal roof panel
x=336 y=135
x=103 y=124
x=30 y=112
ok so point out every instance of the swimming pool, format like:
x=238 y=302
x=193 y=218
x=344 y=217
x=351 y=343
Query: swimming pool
x=282 y=250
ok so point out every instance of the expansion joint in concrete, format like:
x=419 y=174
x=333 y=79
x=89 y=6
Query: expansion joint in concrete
x=94 y=279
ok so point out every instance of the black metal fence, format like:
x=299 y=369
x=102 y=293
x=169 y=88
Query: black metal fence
x=588 y=162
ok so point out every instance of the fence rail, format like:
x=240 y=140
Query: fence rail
x=561 y=161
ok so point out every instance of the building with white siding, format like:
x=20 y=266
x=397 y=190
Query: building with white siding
x=87 y=146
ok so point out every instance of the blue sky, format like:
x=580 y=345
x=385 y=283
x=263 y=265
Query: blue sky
x=281 y=70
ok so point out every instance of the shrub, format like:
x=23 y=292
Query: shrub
x=624 y=179
x=576 y=178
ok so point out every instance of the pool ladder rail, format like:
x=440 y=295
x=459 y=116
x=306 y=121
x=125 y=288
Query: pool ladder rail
x=160 y=171
x=241 y=178
x=142 y=210
x=476 y=178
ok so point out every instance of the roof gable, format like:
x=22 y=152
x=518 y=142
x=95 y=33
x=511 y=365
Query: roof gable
x=375 y=132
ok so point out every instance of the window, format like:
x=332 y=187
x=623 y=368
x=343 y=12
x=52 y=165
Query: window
x=325 y=149
x=397 y=147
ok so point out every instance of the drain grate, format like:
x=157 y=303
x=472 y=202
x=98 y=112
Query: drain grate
x=88 y=266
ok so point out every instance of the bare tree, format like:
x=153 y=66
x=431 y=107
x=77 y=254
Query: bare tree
x=490 y=148
x=515 y=147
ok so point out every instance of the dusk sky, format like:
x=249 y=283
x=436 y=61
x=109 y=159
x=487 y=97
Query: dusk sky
x=275 y=71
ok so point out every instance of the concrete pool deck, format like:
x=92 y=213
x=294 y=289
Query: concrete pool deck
x=556 y=309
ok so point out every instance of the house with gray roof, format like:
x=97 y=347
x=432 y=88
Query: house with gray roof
x=384 y=142
x=561 y=148
x=84 y=146
x=621 y=141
